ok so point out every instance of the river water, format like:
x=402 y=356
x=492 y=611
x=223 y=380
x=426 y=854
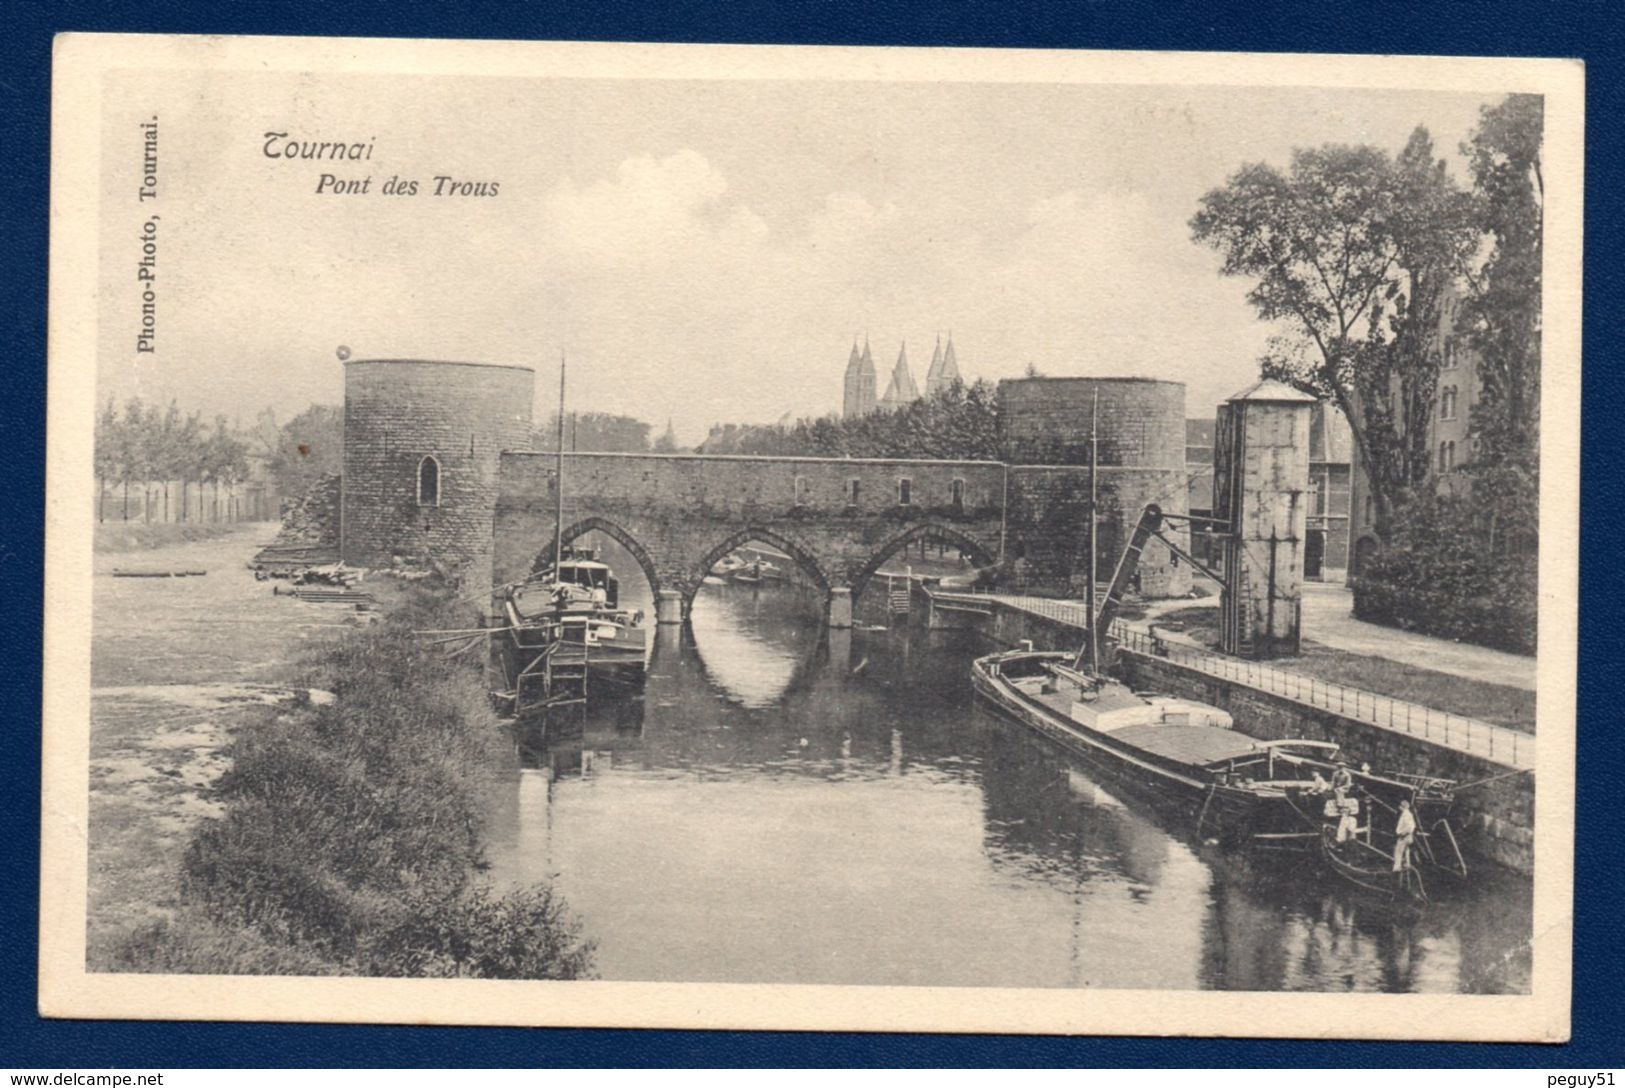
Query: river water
x=790 y=804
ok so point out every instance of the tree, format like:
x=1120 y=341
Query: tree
x=1351 y=251
x=1503 y=314
x=224 y=460
x=108 y=455
x=597 y=432
x=959 y=423
x=137 y=451
x=309 y=447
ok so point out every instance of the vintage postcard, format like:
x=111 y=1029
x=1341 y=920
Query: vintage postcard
x=811 y=538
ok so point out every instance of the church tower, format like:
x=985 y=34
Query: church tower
x=860 y=383
x=944 y=370
x=901 y=390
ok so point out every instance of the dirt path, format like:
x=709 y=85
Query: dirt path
x=176 y=664
x=1328 y=618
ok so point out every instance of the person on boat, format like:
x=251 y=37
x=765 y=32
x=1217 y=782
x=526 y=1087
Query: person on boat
x=1342 y=780
x=1319 y=785
x=1404 y=835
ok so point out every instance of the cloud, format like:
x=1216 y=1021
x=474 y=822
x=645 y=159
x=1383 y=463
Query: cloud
x=653 y=210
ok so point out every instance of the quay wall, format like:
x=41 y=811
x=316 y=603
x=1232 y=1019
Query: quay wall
x=1497 y=818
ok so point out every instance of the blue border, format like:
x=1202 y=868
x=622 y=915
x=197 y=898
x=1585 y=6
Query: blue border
x=1594 y=32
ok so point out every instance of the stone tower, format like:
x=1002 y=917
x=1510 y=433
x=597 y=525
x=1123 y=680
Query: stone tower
x=422 y=440
x=1260 y=481
x=944 y=370
x=860 y=383
x=901 y=389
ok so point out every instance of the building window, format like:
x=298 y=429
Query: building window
x=1449 y=354
x=854 y=488
x=956 y=493
x=429 y=482
x=800 y=491
x=905 y=491
x=1370 y=509
x=1447 y=403
x=1447 y=457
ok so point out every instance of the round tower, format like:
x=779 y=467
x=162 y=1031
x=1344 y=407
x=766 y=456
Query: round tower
x=422 y=446
x=1047 y=434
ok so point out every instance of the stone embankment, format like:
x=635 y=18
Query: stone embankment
x=1496 y=809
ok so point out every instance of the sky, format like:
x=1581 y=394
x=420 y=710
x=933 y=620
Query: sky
x=701 y=251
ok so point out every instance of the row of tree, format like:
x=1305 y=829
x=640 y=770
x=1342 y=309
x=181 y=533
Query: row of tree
x=596 y=432
x=151 y=447
x=959 y=423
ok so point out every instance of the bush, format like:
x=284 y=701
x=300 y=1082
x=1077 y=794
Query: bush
x=1459 y=569
x=352 y=830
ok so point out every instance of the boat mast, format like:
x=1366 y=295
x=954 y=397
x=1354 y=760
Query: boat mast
x=558 y=520
x=1089 y=584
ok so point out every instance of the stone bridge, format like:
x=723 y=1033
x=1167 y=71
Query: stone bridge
x=679 y=514
x=429 y=473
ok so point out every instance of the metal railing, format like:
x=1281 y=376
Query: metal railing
x=1505 y=746
x=1508 y=747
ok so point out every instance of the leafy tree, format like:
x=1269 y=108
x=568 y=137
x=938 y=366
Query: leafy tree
x=309 y=446
x=1503 y=314
x=959 y=423
x=596 y=432
x=128 y=447
x=108 y=455
x=223 y=459
x=1351 y=250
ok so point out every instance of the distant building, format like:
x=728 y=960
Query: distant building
x=901 y=390
x=860 y=383
x=1448 y=426
x=1331 y=467
x=1199 y=486
x=944 y=370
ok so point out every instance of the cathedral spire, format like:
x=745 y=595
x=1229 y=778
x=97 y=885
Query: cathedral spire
x=949 y=372
x=859 y=390
x=901 y=389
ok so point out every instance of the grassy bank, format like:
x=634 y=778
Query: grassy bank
x=351 y=835
x=1498 y=704
x=134 y=536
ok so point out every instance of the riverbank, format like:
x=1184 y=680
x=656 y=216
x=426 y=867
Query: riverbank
x=302 y=798
x=136 y=536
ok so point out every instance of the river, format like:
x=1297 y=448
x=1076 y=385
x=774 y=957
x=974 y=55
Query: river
x=789 y=804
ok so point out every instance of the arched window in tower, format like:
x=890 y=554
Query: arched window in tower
x=429 y=481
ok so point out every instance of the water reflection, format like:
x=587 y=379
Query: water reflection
x=786 y=807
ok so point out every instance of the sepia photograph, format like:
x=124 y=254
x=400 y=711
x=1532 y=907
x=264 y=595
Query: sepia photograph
x=831 y=538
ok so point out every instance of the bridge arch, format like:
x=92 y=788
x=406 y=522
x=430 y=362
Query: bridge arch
x=803 y=557
x=935 y=532
x=615 y=533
